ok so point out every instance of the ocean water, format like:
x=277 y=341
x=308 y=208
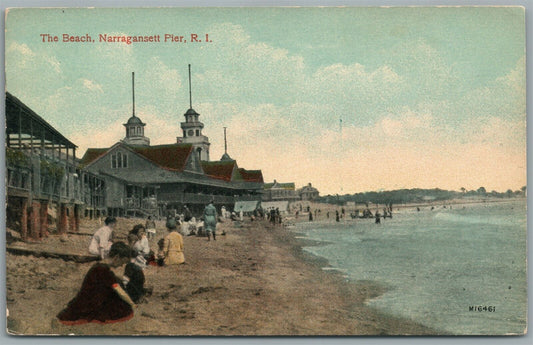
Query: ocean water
x=438 y=264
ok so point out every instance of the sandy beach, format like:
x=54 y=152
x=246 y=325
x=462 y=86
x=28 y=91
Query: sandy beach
x=255 y=280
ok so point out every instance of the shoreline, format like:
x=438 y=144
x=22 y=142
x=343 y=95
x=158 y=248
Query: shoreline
x=371 y=290
x=255 y=281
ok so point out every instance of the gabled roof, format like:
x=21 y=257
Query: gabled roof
x=251 y=175
x=221 y=170
x=92 y=155
x=170 y=157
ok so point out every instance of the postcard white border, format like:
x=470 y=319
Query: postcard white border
x=9 y=340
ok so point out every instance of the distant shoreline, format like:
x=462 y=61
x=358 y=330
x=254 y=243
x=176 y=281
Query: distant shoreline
x=331 y=208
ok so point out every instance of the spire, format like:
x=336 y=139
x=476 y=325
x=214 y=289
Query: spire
x=190 y=93
x=225 y=142
x=133 y=90
x=225 y=156
x=134 y=126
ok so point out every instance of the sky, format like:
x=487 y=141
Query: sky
x=348 y=99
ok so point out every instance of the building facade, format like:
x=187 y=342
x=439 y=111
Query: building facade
x=277 y=191
x=308 y=193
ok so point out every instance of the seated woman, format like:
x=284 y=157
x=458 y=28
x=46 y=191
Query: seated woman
x=141 y=246
x=173 y=245
x=101 y=299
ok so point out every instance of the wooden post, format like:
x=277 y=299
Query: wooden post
x=71 y=219
x=24 y=220
x=35 y=220
x=44 y=219
x=63 y=221
x=77 y=218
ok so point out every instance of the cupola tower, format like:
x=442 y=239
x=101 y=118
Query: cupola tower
x=134 y=126
x=192 y=130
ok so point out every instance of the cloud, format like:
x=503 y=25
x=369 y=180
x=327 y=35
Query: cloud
x=27 y=70
x=89 y=84
x=408 y=122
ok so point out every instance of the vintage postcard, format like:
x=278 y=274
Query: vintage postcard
x=266 y=171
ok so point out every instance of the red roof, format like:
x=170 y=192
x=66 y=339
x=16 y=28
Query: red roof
x=173 y=156
x=91 y=155
x=251 y=175
x=221 y=170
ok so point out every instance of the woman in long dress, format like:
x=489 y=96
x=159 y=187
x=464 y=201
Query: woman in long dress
x=101 y=299
x=210 y=220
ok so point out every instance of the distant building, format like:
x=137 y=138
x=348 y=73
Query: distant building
x=308 y=193
x=277 y=191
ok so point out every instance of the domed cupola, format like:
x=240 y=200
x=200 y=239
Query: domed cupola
x=134 y=126
x=134 y=120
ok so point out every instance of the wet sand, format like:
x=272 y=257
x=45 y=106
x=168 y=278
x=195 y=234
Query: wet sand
x=256 y=280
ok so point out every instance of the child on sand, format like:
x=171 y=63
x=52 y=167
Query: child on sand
x=133 y=278
x=161 y=252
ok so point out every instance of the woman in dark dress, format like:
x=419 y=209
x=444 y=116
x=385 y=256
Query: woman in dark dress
x=101 y=299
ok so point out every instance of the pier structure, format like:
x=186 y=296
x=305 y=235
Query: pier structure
x=44 y=184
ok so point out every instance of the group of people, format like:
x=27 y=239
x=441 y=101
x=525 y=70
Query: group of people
x=104 y=297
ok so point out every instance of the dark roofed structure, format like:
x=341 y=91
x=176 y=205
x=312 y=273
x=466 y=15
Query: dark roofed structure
x=222 y=170
x=92 y=155
x=173 y=156
x=251 y=175
x=42 y=172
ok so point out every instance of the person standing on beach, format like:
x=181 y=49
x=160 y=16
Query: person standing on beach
x=150 y=228
x=187 y=214
x=103 y=239
x=210 y=221
x=173 y=245
x=378 y=217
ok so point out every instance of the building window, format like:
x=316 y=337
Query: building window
x=119 y=160
x=139 y=130
x=197 y=132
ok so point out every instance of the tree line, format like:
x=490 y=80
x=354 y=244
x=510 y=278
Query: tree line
x=417 y=195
